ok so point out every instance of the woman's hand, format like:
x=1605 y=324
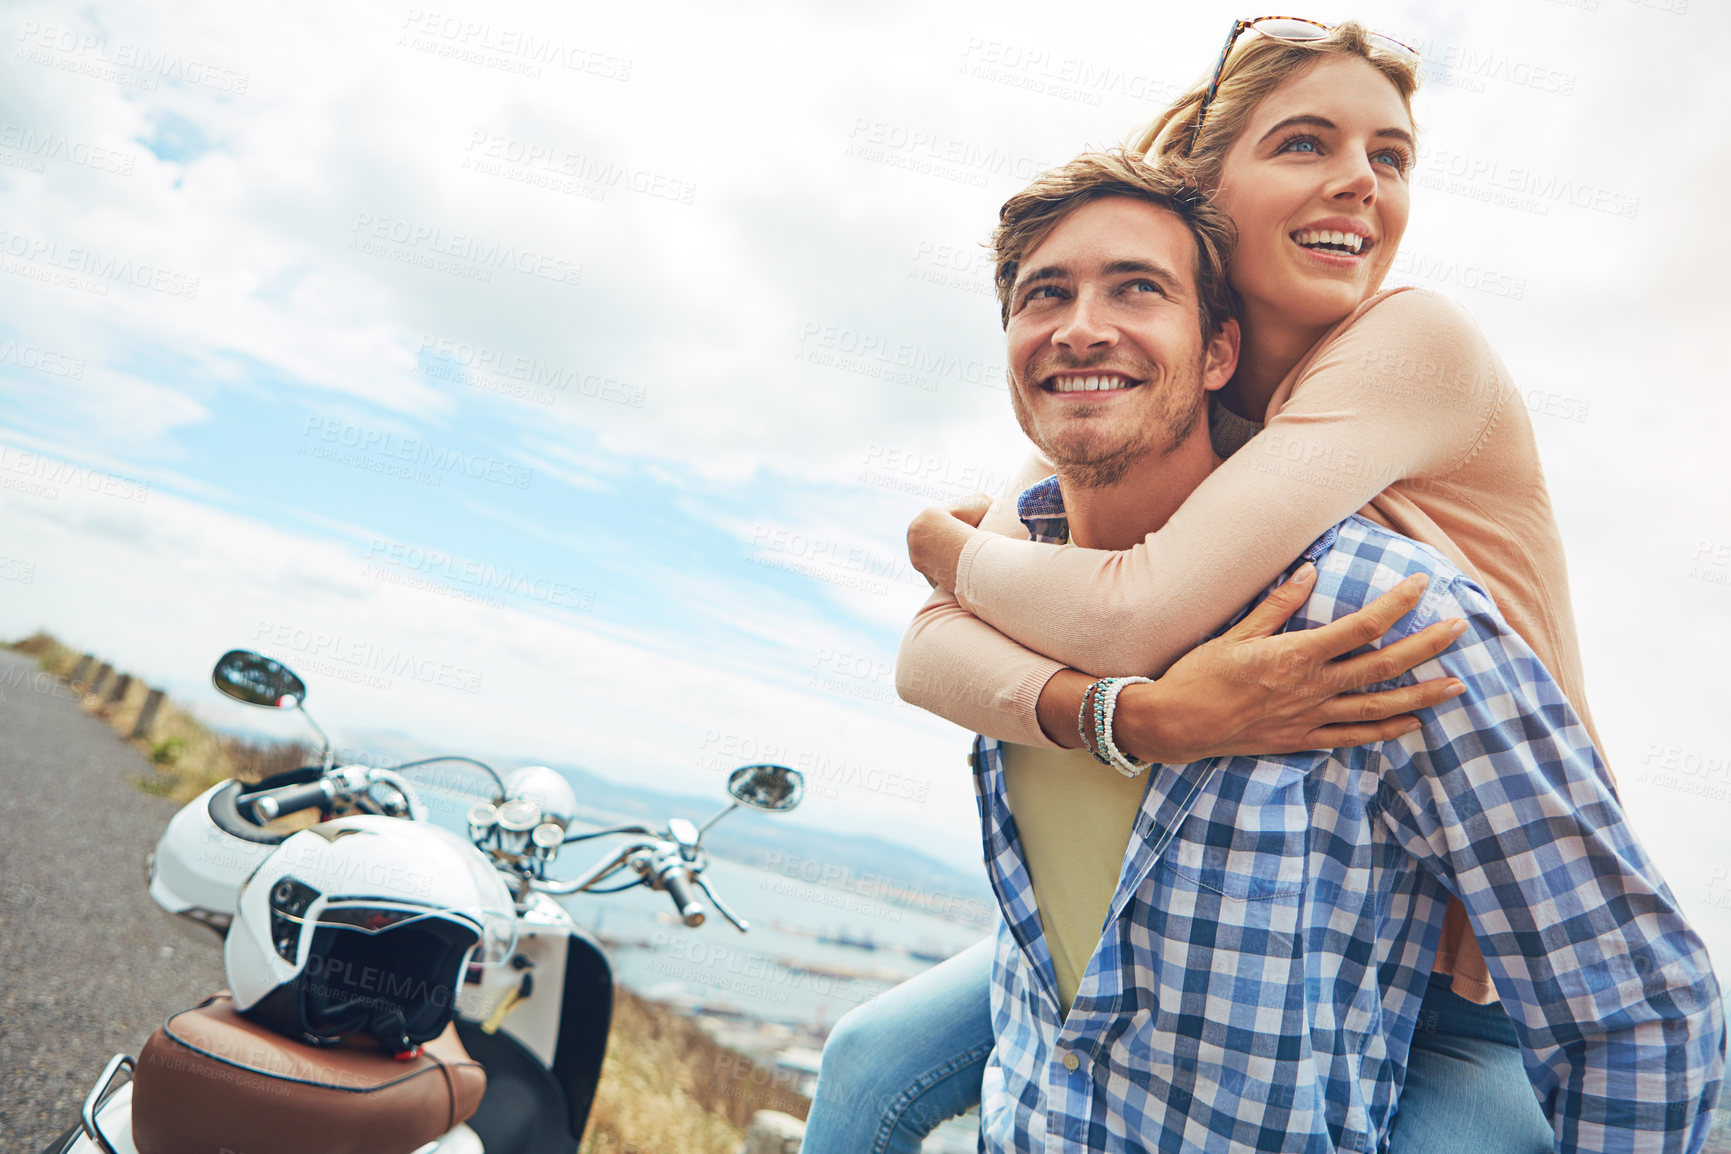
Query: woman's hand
x=937 y=536
x=1252 y=691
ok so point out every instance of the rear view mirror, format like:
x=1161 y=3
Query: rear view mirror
x=771 y=788
x=257 y=680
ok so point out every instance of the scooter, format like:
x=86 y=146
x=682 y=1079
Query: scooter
x=536 y=1023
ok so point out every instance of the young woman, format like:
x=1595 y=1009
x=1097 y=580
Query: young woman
x=1344 y=398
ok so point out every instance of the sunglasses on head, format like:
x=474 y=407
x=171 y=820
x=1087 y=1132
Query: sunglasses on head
x=1293 y=30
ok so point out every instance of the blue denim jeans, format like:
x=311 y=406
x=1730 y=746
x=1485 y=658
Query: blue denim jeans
x=909 y=1059
x=1466 y=1088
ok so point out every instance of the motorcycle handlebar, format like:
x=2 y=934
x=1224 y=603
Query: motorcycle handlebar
x=678 y=885
x=275 y=803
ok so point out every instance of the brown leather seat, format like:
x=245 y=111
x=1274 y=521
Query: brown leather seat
x=210 y=1081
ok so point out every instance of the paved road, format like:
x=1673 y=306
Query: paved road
x=91 y=966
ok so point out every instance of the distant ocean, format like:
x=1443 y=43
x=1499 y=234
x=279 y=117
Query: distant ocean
x=788 y=969
x=793 y=967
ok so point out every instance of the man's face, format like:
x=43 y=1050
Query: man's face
x=1107 y=361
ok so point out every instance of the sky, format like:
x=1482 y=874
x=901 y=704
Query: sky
x=555 y=383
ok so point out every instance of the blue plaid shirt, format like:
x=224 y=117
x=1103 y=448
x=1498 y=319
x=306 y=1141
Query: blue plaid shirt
x=1260 y=971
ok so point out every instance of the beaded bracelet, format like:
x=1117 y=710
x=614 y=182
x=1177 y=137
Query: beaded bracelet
x=1100 y=700
x=1102 y=727
x=1115 y=757
x=1090 y=695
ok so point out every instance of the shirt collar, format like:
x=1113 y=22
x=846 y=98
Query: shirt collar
x=1041 y=508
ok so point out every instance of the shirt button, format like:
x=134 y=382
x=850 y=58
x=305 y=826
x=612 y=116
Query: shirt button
x=1071 y=1061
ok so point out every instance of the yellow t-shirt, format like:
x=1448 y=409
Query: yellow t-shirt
x=1074 y=817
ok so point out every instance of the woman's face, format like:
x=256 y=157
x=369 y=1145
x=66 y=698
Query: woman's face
x=1318 y=187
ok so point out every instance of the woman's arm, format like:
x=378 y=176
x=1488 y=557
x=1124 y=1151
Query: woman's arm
x=1256 y=691
x=1407 y=390
x=1252 y=690
x=955 y=665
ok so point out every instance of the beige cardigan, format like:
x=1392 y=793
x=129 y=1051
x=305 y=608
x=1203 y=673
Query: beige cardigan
x=1402 y=411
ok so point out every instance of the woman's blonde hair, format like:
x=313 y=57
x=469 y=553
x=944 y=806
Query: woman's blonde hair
x=1257 y=66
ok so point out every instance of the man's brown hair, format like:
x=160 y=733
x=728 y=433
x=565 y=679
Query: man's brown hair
x=1030 y=216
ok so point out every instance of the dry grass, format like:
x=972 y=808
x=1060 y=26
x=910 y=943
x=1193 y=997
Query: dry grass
x=186 y=758
x=668 y=1088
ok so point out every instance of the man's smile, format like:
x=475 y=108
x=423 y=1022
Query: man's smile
x=1090 y=382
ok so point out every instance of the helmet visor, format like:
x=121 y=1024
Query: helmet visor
x=401 y=977
x=494 y=943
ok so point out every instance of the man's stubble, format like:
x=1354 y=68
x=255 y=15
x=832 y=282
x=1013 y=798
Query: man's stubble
x=1084 y=463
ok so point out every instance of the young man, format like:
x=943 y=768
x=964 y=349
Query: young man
x=1232 y=953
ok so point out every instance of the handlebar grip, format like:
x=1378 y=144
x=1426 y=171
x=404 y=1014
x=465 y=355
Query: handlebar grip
x=678 y=885
x=272 y=804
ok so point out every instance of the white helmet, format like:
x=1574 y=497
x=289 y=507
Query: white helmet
x=365 y=924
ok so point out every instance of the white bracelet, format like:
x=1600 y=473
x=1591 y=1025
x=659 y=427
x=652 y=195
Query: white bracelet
x=1115 y=757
